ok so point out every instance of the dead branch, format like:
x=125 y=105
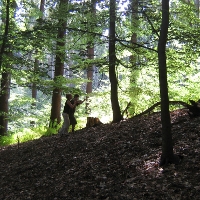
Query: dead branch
x=184 y=104
x=126 y=109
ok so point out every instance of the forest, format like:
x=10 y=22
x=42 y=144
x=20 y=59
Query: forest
x=137 y=65
x=121 y=56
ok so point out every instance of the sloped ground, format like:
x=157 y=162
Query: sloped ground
x=111 y=162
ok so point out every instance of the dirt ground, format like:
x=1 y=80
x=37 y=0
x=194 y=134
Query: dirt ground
x=111 y=162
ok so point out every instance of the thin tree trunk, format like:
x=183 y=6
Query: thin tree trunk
x=90 y=70
x=34 y=90
x=36 y=66
x=167 y=146
x=59 y=67
x=196 y=2
x=117 y=116
x=134 y=9
x=42 y=3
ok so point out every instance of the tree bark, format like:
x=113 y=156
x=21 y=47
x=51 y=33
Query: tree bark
x=90 y=69
x=36 y=66
x=134 y=57
x=34 y=90
x=4 y=96
x=93 y=122
x=55 y=118
x=42 y=3
x=117 y=116
x=134 y=10
x=6 y=31
x=197 y=6
x=5 y=76
x=167 y=146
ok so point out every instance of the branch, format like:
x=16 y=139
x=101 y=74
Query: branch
x=118 y=40
x=131 y=47
x=127 y=107
x=154 y=30
x=86 y=31
x=158 y=103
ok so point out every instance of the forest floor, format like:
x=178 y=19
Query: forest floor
x=111 y=162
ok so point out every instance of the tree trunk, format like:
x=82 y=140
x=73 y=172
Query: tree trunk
x=6 y=31
x=59 y=66
x=42 y=3
x=90 y=69
x=197 y=6
x=134 y=57
x=34 y=91
x=167 y=146
x=117 y=116
x=36 y=66
x=134 y=10
x=4 y=96
x=5 y=76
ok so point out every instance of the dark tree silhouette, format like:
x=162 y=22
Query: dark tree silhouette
x=167 y=146
x=5 y=75
x=117 y=116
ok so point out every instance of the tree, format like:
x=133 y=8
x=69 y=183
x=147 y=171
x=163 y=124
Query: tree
x=167 y=146
x=59 y=64
x=134 y=9
x=90 y=54
x=36 y=66
x=5 y=75
x=117 y=116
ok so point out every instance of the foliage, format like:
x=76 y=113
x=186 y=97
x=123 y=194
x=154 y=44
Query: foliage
x=34 y=38
x=22 y=135
x=21 y=113
x=51 y=131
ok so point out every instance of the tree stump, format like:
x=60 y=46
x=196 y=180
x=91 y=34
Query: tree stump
x=93 y=122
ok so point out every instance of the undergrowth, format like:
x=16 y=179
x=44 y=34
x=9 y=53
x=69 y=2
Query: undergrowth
x=32 y=133
x=26 y=134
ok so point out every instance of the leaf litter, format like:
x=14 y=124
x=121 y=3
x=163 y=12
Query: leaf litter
x=110 y=162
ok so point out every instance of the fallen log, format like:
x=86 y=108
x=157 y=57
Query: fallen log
x=194 y=108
